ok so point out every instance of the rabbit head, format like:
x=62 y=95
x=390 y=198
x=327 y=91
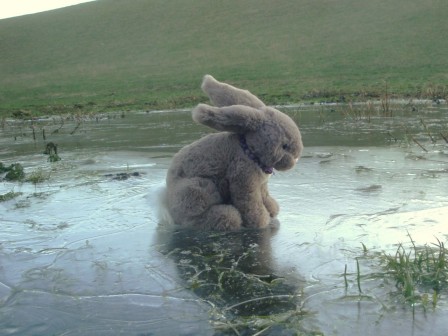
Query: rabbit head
x=269 y=137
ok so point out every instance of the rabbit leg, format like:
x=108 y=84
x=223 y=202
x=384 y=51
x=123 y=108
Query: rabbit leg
x=270 y=203
x=197 y=202
x=251 y=207
x=222 y=217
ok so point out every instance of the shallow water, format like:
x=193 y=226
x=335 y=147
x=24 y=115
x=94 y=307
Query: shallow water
x=82 y=253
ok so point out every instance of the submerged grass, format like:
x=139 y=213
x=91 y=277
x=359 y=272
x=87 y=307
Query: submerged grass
x=231 y=272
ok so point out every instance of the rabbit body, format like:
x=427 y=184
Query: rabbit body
x=220 y=181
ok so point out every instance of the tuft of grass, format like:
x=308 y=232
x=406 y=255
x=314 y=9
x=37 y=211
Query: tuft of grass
x=9 y=196
x=38 y=176
x=14 y=172
x=51 y=149
x=419 y=270
x=420 y=273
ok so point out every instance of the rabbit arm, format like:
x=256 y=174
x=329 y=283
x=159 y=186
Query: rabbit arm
x=270 y=203
x=247 y=197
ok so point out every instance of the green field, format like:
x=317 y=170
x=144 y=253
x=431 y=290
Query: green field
x=150 y=54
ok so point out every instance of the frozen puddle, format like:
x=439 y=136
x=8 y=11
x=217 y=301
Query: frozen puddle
x=82 y=253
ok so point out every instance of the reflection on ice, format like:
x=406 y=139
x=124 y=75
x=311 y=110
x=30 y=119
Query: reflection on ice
x=234 y=272
x=82 y=253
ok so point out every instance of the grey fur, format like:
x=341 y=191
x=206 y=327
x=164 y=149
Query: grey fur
x=213 y=183
x=222 y=94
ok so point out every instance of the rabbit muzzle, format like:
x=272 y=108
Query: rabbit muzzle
x=286 y=162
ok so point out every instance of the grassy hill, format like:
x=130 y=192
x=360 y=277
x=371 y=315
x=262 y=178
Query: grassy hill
x=113 y=54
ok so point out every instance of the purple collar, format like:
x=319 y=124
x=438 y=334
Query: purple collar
x=253 y=157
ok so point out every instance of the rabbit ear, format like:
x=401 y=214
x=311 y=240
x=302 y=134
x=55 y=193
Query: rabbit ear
x=236 y=118
x=222 y=94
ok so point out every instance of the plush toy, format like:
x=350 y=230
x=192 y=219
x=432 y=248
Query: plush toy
x=220 y=181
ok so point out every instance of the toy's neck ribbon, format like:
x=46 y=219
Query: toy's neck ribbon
x=253 y=157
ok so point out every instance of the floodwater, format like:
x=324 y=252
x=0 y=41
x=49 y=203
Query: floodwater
x=83 y=253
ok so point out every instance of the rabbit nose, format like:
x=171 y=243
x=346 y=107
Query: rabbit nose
x=296 y=160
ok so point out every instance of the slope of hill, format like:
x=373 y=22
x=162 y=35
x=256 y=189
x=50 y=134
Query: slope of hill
x=153 y=53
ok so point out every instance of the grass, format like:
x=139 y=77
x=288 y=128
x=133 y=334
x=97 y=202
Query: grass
x=229 y=272
x=420 y=270
x=14 y=172
x=9 y=196
x=420 y=273
x=113 y=55
x=38 y=176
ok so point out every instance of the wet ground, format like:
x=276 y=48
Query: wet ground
x=82 y=253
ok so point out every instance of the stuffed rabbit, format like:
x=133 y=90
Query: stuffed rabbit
x=220 y=181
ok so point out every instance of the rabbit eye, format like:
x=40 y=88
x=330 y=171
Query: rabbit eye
x=285 y=146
